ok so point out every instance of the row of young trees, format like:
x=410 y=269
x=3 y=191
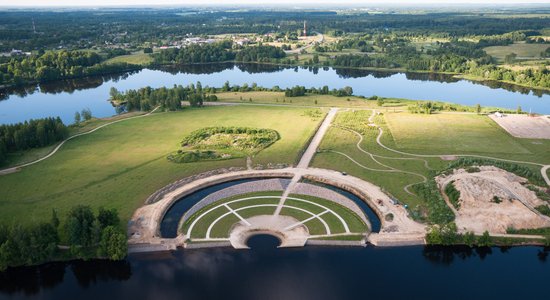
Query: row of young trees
x=88 y=235
x=298 y=91
x=147 y=98
x=30 y=134
x=448 y=235
x=55 y=65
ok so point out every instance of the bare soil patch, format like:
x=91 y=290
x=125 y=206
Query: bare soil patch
x=524 y=126
x=514 y=207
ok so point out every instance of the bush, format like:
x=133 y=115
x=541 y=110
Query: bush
x=438 y=211
x=453 y=194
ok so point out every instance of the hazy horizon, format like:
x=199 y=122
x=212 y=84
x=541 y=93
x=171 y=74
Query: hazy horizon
x=305 y=3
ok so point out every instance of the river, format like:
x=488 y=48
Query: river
x=305 y=273
x=64 y=98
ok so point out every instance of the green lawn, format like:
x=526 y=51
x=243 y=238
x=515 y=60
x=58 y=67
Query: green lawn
x=450 y=133
x=308 y=100
x=521 y=49
x=136 y=59
x=119 y=166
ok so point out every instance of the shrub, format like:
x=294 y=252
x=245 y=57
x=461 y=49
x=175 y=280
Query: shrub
x=438 y=211
x=453 y=194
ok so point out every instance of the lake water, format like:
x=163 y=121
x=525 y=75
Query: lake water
x=66 y=97
x=316 y=273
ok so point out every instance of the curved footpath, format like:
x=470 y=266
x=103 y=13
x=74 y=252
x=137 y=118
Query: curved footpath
x=16 y=168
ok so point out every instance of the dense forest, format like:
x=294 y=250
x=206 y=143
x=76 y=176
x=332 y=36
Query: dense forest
x=135 y=26
x=196 y=53
x=30 y=134
x=218 y=52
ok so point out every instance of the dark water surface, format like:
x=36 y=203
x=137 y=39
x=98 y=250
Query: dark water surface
x=265 y=272
x=64 y=98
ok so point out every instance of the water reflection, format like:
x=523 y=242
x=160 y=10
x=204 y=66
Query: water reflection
x=63 y=98
x=63 y=86
x=32 y=280
x=265 y=272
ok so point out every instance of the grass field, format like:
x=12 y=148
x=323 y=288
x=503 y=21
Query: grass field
x=450 y=133
x=120 y=165
x=421 y=134
x=294 y=206
x=136 y=59
x=22 y=157
x=522 y=50
x=308 y=100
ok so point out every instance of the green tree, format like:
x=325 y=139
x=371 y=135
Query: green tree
x=55 y=219
x=86 y=114
x=78 y=225
x=316 y=59
x=77 y=118
x=484 y=240
x=518 y=110
x=478 y=108
x=469 y=239
x=113 y=244
x=108 y=217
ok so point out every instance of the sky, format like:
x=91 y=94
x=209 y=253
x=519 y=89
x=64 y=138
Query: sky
x=36 y=3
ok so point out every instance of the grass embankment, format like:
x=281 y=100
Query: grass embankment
x=437 y=134
x=120 y=165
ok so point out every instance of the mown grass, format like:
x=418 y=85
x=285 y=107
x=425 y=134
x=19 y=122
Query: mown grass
x=308 y=100
x=120 y=165
x=222 y=227
x=135 y=59
x=450 y=133
x=315 y=226
x=354 y=222
x=521 y=49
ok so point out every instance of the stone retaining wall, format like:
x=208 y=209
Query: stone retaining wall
x=199 y=245
x=361 y=243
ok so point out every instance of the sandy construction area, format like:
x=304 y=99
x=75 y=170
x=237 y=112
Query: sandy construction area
x=523 y=126
x=478 y=212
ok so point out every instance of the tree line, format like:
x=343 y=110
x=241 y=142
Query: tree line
x=55 y=65
x=30 y=134
x=147 y=98
x=88 y=235
x=298 y=91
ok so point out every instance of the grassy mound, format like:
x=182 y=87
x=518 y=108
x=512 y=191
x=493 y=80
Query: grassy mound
x=213 y=143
